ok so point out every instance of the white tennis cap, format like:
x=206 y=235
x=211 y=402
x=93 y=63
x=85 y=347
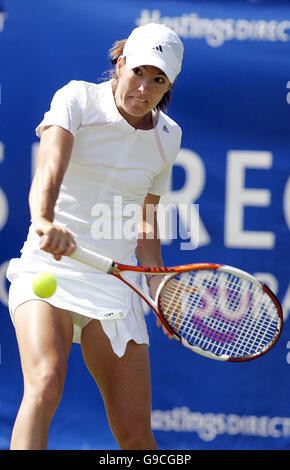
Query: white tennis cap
x=155 y=44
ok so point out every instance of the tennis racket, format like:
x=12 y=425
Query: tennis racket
x=215 y=310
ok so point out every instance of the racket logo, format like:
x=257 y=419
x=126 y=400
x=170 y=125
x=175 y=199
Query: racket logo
x=228 y=303
x=221 y=306
x=212 y=334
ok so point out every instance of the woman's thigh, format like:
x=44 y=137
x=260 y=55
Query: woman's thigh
x=44 y=334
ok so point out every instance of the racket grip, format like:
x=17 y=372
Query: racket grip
x=92 y=259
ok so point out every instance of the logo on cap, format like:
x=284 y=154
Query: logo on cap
x=158 y=48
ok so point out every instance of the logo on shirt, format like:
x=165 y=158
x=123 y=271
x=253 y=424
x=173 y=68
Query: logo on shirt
x=158 y=48
x=164 y=128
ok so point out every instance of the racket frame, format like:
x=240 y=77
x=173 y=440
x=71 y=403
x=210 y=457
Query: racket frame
x=117 y=269
x=168 y=273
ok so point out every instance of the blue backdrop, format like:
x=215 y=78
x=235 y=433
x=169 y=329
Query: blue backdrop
x=233 y=102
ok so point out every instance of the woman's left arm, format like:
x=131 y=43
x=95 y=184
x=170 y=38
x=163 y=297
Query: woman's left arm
x=148 y=249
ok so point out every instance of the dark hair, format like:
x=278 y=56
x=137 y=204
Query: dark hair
x=115 y=52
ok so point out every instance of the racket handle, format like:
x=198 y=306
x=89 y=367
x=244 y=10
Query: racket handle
x=92 y=259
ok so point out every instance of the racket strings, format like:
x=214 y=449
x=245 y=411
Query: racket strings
x=219 y=312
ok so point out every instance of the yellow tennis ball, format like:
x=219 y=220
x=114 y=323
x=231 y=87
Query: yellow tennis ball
x=44 y=285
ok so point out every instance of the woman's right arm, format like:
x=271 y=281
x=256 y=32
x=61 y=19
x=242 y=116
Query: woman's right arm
x=53 y=158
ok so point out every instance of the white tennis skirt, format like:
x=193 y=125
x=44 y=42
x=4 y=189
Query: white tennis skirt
x=87 y=295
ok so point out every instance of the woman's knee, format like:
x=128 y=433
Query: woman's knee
x=141 y=439
x=45 y=390
x=134 y=435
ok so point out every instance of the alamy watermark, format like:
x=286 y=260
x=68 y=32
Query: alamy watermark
x=128 y=221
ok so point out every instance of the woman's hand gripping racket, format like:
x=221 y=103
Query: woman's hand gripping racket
x=215 y=310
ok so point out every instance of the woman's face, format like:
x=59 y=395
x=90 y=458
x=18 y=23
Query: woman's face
x=138 y=91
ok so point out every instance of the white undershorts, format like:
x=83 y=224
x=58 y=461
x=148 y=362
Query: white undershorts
x=87 y=295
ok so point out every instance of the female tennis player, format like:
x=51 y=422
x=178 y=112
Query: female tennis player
x=105 y=150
